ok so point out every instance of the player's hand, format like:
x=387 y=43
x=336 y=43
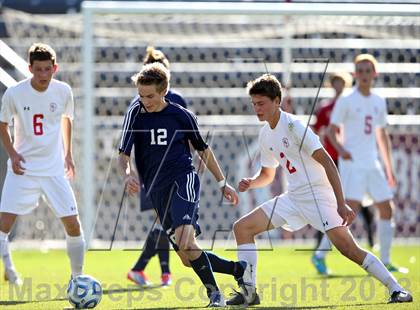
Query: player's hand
x=244 y=184
x=391 y=178
x=347 y=214
x=345 y=155
x=230 y=194
x=69 y=167
x=16 y=160
x=132 y=185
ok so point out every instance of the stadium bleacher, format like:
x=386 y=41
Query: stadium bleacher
x=211 y=73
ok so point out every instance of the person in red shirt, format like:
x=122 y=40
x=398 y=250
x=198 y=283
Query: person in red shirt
x=338 y=81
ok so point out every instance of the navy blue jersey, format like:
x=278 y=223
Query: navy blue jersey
x=160 y=140
x=176 y=97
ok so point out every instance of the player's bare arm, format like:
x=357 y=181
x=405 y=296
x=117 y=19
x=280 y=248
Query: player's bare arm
x=131 y=180
x=15 y=157
x=331 y=133
x=322 y=157
x=211 y=163
x=384 y=144
x=263 y=178
x=67 y=130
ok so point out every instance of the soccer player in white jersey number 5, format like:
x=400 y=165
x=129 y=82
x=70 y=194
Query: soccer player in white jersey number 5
x=362 y=116
x=314 y=195
x=40 y=158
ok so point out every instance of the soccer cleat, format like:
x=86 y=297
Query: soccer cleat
x=216 y=300
x=138 y=277
x=319 y=264
x=393 y=268
x=166 y=279
x=12 y=276
x=245 y=283
x=397 y=297
x=239 y=300
x=248 y=292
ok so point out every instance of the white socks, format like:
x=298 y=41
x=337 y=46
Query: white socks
x=324 y=247
x=375 y=268
x=5 y=251
x=248 y=253
x=385 y=233
x=76 y=253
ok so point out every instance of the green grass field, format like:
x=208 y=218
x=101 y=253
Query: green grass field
x=286 y=280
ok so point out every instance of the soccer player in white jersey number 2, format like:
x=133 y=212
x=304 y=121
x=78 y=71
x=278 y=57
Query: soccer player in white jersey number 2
x=40 y=158
x=314 y=194
x=362 y=115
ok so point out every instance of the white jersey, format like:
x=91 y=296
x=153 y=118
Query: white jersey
x=37 y=124
x=280 y=146
x=359 y=116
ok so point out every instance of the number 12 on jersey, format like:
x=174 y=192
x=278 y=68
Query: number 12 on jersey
x=160 y=136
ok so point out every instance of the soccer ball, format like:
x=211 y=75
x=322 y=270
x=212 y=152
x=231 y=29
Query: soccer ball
x=84 y=292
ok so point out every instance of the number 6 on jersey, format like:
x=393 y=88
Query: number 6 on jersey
x=38 y=129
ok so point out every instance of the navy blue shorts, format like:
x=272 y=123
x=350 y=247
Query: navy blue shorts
x=145 y=201
x=177 y=204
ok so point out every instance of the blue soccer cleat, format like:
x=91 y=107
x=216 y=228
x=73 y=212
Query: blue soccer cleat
x=393 y=268
x=216 y=300
x=320 y=266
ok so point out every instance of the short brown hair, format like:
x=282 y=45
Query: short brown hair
x=367 y=57
x=154 y=55
x=265 y=85
x=344 y=76
x=41 y=51
x=153 y=74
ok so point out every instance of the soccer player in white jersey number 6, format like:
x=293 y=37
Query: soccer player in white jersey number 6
x=40 y=158
x=362 y=115
x=314 y=195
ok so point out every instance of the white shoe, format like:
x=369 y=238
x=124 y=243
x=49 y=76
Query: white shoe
x=12 y=276
x=216 y=300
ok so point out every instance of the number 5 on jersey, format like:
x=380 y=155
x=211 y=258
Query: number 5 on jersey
x=160 y=135
x=38 y=129
x=368 y=124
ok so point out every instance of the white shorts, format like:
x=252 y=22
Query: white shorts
x=357 y=182
x=21 y=194
x=300 y=211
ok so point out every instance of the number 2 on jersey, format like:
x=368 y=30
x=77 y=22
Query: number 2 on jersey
x=38 y=129
x=289 y=168
x=161 y=135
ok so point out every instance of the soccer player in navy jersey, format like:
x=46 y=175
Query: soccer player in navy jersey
x=157 y=241
x=161 y=133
